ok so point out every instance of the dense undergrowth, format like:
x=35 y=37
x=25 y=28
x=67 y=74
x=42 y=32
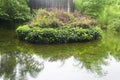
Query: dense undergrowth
x=59 y=18
x=55 y=26
x=12 y=10
x=107 y=12
x=57 y=35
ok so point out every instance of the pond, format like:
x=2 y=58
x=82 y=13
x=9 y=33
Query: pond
x=96 y=60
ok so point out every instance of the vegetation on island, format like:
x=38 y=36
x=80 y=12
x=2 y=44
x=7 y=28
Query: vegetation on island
x=88 y=14
x=58 y=26
x=57 y=35
x=50 y=26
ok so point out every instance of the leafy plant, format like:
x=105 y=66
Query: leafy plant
x=54 y=18
x=107 y=12
x=57 y=35
x=14 y=10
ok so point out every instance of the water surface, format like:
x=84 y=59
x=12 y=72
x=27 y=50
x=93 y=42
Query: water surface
x=96 y=60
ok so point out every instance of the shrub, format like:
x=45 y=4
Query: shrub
x=23 y=31
x=54 y=18
x=57 y=35
x=116 y=25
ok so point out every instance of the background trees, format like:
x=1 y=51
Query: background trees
x=14 y=10
x=106 y=11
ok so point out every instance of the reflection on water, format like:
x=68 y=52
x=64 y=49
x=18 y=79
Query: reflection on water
x=16 y=66
x=97 y=60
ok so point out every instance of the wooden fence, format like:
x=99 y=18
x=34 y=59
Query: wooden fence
x=59 y=4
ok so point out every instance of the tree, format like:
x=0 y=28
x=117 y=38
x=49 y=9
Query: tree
x=14 y=10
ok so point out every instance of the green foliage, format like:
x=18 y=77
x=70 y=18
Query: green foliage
x=90 y=7
x=110 y=16
x=106 y=11
x=14 y=10
x=116 y=25
x=54 y=18
x=57 y=35
x=22 y=31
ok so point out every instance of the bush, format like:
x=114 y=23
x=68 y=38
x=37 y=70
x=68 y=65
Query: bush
x=54 y=18
x=57 y=35
x=22 y=31
x=116 y=25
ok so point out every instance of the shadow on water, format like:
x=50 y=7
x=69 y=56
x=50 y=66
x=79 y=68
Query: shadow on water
x=19 y=59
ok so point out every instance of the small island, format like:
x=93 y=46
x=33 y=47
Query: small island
x=59 y=26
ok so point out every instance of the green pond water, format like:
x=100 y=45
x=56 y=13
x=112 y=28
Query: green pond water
x=96 y=60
